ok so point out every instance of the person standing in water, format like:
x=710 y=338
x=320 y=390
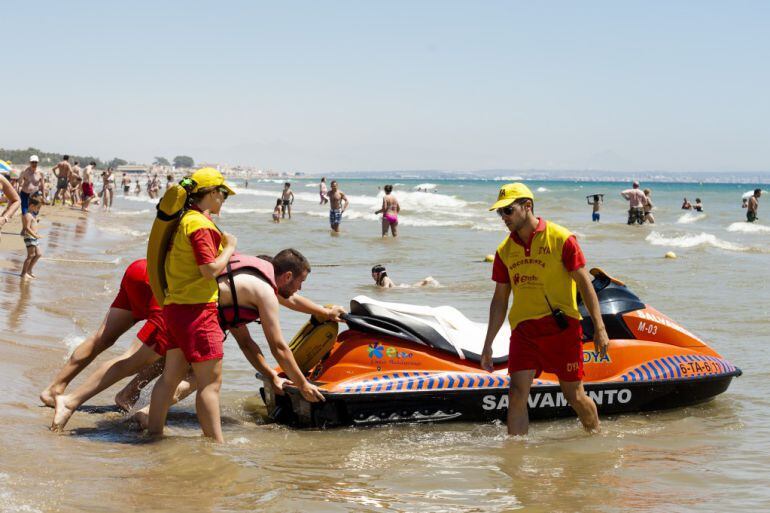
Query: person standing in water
x=31 y=238
x=287 y=198
x=323 y=192
x=636 y=200
x=648 y=206
x=543 y=266
x=598 y=199
x=338 y=202
x=198 y=253
x=62 y=172
x=390 y=209
x=74 y=186
x=751 y=212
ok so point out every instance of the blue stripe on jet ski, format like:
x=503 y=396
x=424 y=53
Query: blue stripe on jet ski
x=671 y=370
x=440 y=382
x=450 y=381
x=660 y=372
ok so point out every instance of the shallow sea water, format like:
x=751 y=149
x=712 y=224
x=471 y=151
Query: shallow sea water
x=710 y=457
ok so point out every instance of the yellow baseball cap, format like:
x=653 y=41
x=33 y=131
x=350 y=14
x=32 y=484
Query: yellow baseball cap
x=210 y=177
x=511 y=192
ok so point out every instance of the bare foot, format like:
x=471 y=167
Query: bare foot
x=62 y=413
x=27 y=276
x=48 y=397
x=32 y=276
x=142 y=417
x=126 y=399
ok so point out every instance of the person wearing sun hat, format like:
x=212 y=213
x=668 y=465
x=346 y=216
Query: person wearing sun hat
x=198 y=253
x=543 y=266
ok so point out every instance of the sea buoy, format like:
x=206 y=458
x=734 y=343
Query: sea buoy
x=670 y=254
x=489 y=258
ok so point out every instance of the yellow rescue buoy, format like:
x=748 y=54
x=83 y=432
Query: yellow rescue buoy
x=489 y=258
x=670 y=254
x=312 y=342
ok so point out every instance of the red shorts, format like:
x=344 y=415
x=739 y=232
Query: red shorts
x=88 y=190
x=135 y=293
x=195 y=330
x=153 y=334
x=541 y=345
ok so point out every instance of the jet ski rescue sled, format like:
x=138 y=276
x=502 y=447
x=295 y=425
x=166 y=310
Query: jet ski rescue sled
x=407 y=363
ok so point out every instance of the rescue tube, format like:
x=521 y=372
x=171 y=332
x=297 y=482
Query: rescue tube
x=169 y=210
x=312 y=342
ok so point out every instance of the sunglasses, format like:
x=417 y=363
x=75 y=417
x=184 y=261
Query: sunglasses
x=223 y=191
x=505 y=211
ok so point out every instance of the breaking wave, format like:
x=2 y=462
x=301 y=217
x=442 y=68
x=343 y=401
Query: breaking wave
x=743 y=227
x=692 y=241
x=691 y=217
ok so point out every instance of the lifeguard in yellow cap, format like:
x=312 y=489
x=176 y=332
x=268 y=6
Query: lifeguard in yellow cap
x=198 y=253
x=543 y=266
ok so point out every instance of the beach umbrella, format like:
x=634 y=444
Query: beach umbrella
x=5 y=166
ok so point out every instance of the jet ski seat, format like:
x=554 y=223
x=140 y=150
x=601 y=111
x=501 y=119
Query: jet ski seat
x=443 y=328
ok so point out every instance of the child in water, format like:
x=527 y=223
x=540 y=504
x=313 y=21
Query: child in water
x=31 y=238
x=198 y=253
x=277 y=211
x=381 y=279
x=598 y=199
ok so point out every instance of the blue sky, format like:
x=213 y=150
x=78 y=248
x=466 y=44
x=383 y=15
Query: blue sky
x=343 y=85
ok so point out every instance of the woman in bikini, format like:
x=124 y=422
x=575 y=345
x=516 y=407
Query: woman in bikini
x=390 y=209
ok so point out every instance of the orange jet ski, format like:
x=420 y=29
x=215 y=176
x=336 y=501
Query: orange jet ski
x=408 y=363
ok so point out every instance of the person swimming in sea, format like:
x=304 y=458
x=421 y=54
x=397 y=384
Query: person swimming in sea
x=381 y=279
x=390 y=209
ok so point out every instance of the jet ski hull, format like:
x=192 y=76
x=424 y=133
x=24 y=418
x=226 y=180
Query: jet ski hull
x=487 y=404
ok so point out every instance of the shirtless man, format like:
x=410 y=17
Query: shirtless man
x=338 y=203
x=125 y=183
x=390 y=209
x=74 y=185
x=62 y=172
x=636 y=201
x=252 y=292
x=88 y=185
x=751 y=212
x=31 y=182
x=287 y=198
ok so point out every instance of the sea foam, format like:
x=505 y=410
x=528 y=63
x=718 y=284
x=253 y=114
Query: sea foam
x=691 y=217
x=693 y=240
x=744 y=227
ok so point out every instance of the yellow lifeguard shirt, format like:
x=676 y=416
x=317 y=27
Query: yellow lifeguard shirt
x=197 y=241
x=538 y=272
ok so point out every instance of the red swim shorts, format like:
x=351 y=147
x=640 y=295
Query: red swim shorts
x=541 y=345
x=135 y=293
x=153 y=334
x=88 y=190
x=195 y=330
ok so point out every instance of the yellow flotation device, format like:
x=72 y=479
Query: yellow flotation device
x=169 y=211
x=312 y=342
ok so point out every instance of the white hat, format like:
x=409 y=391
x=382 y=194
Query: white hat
x=34 y=158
